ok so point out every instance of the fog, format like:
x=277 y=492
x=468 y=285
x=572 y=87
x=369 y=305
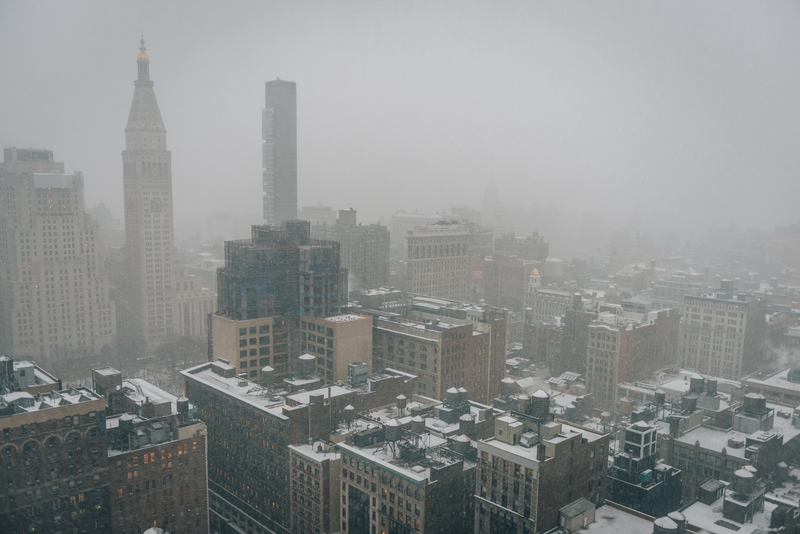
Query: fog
x=665 y=117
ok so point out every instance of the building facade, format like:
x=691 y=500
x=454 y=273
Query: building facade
x=315 y=488
x=279 y=151
x=722 y=334
x=532 y=468
x=406 y=487
x=194 y=304
x=439 y=263
x=54 y=295
x=618 y=350
x=54 y=450
x=442 y=355
x=250 y=427
x=364 y=250
x=336 y=342
x=149 y=303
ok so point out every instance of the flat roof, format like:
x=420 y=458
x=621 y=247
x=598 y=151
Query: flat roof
x=383 y=457
x=611 y=520
x=706 y=516
x=716 y=439
x=779 y=380
x=312 y=451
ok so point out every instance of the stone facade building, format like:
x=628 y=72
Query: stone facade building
x=53 y=449
x=411 y=482
x=439 y=263
x=54 y=296
x=722 y=334
x=148 y=309
x=194 y=303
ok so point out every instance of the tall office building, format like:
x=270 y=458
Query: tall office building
x=149 y=305
x=279 y=151
x=54 y=298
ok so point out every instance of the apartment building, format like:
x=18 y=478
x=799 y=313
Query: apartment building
x=409 y=481
x=723 y=334
x=442 y=355
x=532 y=468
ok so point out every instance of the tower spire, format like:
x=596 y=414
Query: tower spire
x=143 y=61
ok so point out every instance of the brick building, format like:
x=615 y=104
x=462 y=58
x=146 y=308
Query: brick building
x=407 y=481
x=315 y=488
x=250 y=427
x=442 y=355
x=336 y=342
x=532 y=468
x=156 y=457
x=54 y=453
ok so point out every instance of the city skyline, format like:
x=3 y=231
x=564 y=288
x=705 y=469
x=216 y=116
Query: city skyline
x=667 y=120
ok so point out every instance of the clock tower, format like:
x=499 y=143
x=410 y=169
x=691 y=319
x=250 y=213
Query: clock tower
x=149 y=293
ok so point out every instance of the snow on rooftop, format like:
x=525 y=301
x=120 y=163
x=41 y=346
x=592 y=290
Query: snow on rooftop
x=612 y=520
x=346 y=318
x=705 y=516
x=304 y=396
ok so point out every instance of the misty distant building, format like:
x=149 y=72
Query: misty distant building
x=403 y=222
x=194 y=304
x=149 y=305
x=279 y=151
x=364 y=250
x=439 y=263
x=507 y=272
x=54 y=298
x=722 y=333
x=317 y=215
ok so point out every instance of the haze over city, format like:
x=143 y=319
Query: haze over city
x=399 y=267
x=663 y=117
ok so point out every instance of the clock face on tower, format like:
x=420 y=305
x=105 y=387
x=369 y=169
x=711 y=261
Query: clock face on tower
x=156 y=205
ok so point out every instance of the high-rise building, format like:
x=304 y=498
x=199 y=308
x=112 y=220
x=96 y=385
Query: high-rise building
x=279 y=151
x=439 y=261
x=364 y=249
x=54 y=297
x=149 y=303
x=722 y=334
x=267 y=283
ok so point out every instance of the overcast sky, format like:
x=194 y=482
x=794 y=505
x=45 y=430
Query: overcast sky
x=686 y=113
